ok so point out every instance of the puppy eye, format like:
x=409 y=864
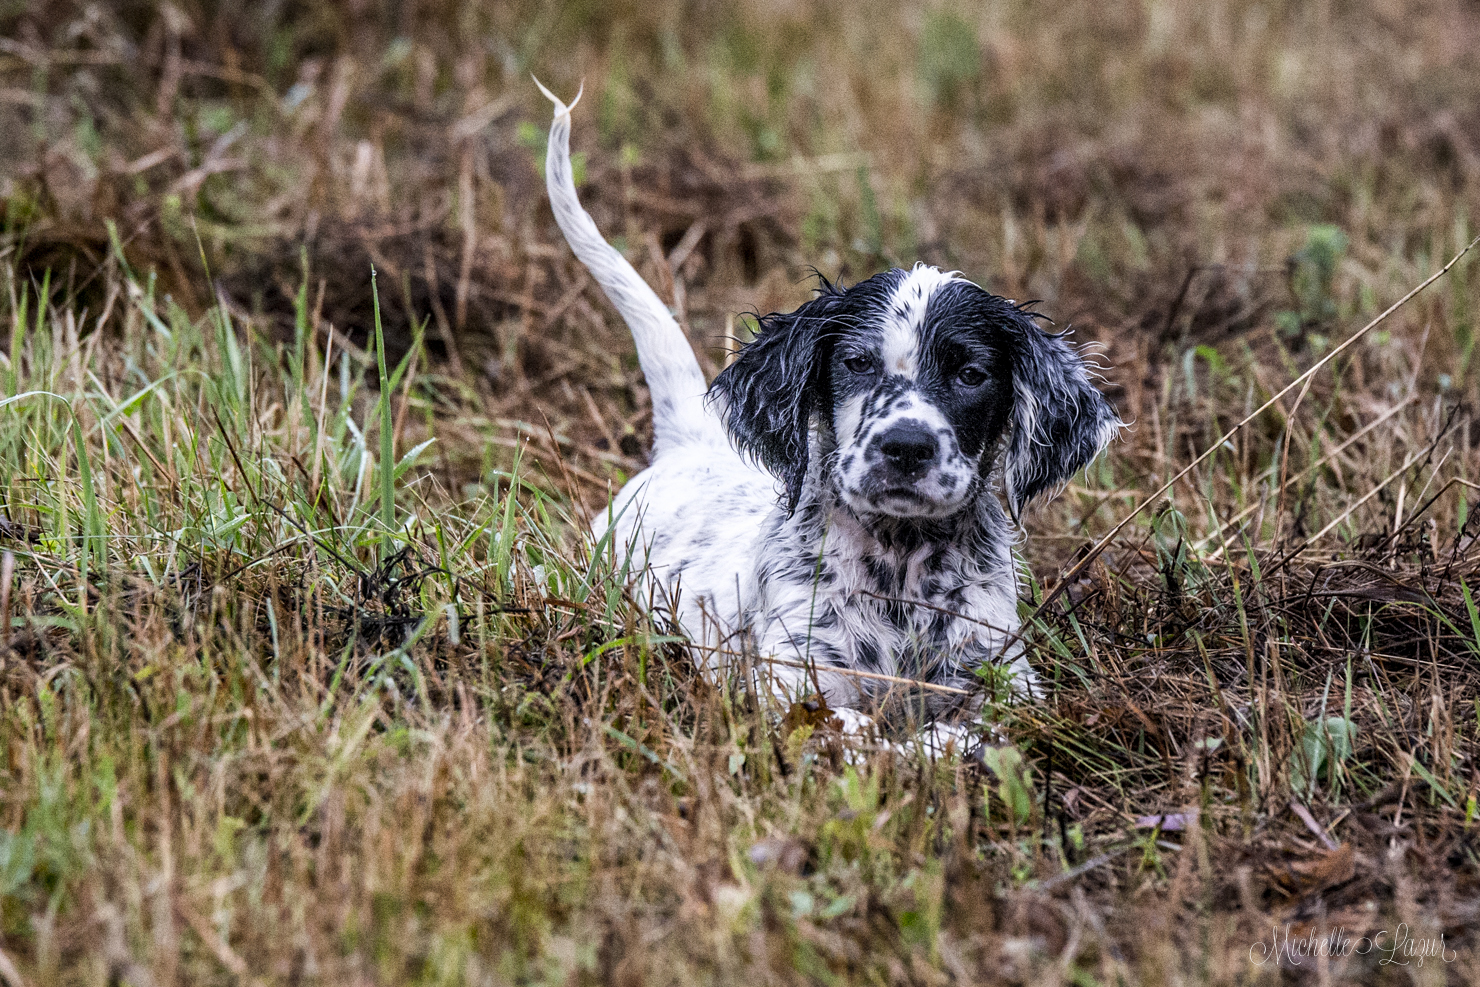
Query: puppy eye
x=970 y=376
x=859 y=364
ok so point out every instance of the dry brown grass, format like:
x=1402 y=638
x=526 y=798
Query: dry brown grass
x=250 y=736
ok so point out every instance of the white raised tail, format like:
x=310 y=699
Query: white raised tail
x=673 y=375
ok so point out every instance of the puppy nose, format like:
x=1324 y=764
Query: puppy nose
x=908 y=446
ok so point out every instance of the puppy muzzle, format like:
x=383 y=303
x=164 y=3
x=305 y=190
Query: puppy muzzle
x=908 y=470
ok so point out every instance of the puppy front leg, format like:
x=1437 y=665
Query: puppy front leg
x=788 y=684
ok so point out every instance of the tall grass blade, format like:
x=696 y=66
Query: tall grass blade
x=387 y=439
x=94 y=532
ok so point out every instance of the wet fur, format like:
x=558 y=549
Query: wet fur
x=834 y=501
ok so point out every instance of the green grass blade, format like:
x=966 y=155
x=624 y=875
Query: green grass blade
x=93 y=529
x=387 y=439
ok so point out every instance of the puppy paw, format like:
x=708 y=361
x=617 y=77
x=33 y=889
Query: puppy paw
x=855 y=724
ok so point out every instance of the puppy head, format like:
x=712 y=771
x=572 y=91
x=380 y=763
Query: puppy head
x=915 y=375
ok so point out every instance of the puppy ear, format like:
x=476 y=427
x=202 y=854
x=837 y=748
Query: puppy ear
x=1061 y=421
x=768 y=395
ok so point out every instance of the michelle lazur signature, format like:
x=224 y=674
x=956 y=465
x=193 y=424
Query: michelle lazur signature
x=1393 y=947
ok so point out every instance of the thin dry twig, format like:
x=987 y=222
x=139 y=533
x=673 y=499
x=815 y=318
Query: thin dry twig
x=1291 y=481
x=848 y=672
x=1079 y=567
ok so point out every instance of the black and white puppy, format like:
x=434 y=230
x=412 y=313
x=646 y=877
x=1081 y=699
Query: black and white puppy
x=833 y=501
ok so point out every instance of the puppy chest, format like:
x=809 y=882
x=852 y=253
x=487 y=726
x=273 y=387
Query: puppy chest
x=922 y=615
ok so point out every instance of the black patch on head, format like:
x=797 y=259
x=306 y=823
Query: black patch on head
x=780 y=379
x=963 y=326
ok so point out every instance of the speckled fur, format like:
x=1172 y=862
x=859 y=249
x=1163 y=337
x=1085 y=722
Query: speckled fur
x=835 y=501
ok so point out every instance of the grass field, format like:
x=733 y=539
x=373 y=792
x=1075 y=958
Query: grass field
x=307 y=675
